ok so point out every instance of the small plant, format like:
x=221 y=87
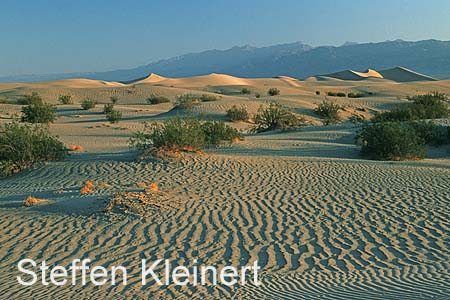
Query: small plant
x=34 y=98
x=318 y=93
x=257 y=95
x=88 y=188
x=31 y=201
x=187 y=101
x=88 y=104
x=152 y=188
x=336 y=94
x=237 y=114
x=65 y=99
x=245 y=91
x=390 y=141
x=39 y=113
x=107 y=108
x=114 y=116
x=155 y=99
x=208 y=98
x=356 y=95
x=429 y=106
x=22 y=146
x=76 y=148
x=329 y=111
x=357 y=119
x=273 y=92
x=183 y=134
x=114 y=100
x=276 y=116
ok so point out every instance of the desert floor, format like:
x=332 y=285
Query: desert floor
x=323 y=222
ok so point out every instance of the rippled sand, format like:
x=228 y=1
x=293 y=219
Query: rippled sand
x=320 y=228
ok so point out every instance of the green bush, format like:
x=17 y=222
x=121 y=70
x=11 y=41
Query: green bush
x=183 y=134
x=34 y=98
x=357 y=119
x=108 y=107
x=217 y=131
x=276 y=116
x=237 y=114
x=356 y=95
x=23 y=145
x=187 y=101
x=390 y=141
x=208 y=98
x=431 y=133
x=273 y=92
x=114 y=116
x=317 y=93
x=114 y=99
x=336 y=94
x=257 y=95
x=246 y=91
x=329 y=111
x=65 y=99
x=87 y=104
x=155 y=99
x=429 y=106
x=39 y=113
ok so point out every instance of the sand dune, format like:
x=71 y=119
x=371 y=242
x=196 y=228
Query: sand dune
x=397 y=74
x=400 y=74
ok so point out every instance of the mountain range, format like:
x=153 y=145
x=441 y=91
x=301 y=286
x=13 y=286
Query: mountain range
x=430 y=57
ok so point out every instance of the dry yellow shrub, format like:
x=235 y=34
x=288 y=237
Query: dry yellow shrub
x=30 y=201
x=88 y=188
x=76 y=148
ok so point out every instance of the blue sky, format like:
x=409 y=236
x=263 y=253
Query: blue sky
x=40 y=37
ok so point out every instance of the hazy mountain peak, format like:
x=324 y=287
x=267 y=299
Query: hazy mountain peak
x=295 y=59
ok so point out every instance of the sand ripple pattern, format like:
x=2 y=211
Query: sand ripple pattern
x=320 y=228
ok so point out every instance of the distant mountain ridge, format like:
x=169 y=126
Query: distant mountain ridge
x=430 y=57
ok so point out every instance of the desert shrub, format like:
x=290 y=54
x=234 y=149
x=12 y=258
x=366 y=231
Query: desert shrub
x=336 y=94
x=183 y=134
x=108 y=107
x=114 y=116
x=39 y=113
x=356 y=119
x=431 y=133
x=257 y=95
x=65 y=99
x=246 y=91
x=429 y=106
x=217 y=131
x=155 y=99
x=187 y=101
x=329 y=111
x=273 y=92
x=276 y=116
x=356 y=95
x=317 y=93
x=208 y=98
x=34 y=98
x=114 y=99
x=23 y=145
x=390 y=141
x=87 y=104
x=237 y=114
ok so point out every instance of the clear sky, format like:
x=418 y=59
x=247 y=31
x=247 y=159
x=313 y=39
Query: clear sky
x=44 y=36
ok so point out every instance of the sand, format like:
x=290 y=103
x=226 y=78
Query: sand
x=322 y=222
x=397 y=74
